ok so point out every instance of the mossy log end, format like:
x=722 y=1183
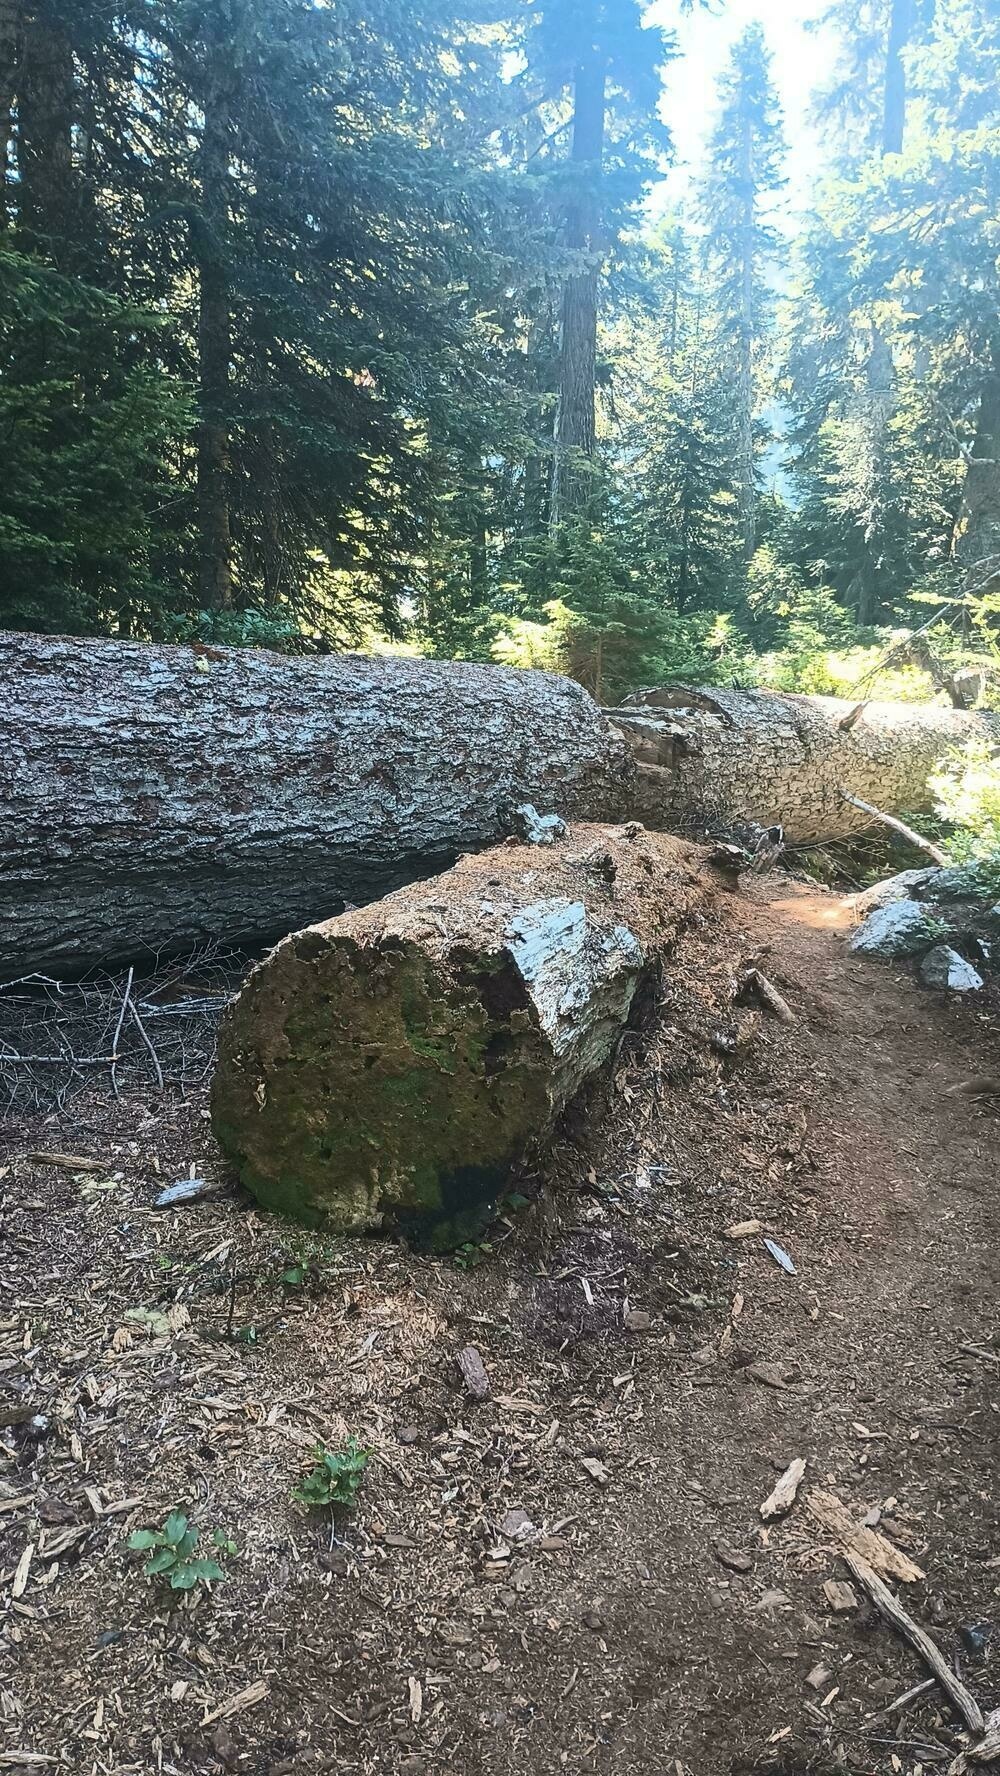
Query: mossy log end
x=391 y=1067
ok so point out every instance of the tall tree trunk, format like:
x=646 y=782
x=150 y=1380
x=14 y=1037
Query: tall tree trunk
x=215 y=347
x=576 y=425
x=10 y=36
x=977 y=530
x=46 y=100
x=901 y=22
x=744 y=362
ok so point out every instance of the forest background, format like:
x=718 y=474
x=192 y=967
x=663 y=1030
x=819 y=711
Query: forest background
x=377 y=325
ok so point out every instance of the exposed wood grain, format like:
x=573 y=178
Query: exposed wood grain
x=867 y=1544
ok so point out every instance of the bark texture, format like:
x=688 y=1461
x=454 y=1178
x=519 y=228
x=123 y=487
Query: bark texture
x=154 y=797
x=576 y=419
x=391 y=1067
x=770 y=757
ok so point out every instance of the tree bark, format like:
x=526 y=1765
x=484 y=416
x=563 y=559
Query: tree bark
x=977 y=530
x=10 y=36
x=901 y=23
x=46 y=104
x=391 y=1067
x=153 y=798
x=707 y=755
x=576 y=419
x=746 y=454
x=214 y=348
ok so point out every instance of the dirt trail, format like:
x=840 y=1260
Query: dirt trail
x=547 y=1581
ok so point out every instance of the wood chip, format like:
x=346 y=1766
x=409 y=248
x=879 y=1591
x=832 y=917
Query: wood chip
x=783 y=1497
x=735 y=1558
x=871 y=1547
x=248 y=1698
x=742 y=1230
x=840 y=1596
x=20 y=1583
x=900 y=1619
x=473 y=1373
x=416 y=1699
x=595 y=1469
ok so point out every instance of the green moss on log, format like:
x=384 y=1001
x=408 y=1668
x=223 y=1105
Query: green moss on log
x=444 y=1088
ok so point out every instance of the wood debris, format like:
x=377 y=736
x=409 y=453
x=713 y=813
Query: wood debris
x=70 y=1162
x=248 y=1698
x=783 y=1497
x=840 y=1596
x=473 y=1372
x=900 y=1619
x=985 y=1751
x=743 y=1230
x=870 y=1547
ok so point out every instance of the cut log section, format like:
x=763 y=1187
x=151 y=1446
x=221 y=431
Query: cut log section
x=392 y=1066
x=720 y=755
x=153 y=798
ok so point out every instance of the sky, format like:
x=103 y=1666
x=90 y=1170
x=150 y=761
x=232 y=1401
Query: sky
x=801 y=58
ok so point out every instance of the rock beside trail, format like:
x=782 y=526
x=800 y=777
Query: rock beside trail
x=945 y=969
x=901 y=929
x=905 y=886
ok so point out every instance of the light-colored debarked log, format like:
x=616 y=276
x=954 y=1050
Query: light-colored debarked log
x=392 y=1066
x=773 y=757
x=856 y=1538
x=153 y=798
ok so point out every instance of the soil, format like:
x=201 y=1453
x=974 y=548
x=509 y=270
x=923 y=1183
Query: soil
x=570 y=1575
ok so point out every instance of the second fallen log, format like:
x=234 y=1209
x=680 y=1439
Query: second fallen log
x=390 y=1067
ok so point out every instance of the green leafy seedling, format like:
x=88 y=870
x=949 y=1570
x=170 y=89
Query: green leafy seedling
x=334 y=1477
x=171 y=1553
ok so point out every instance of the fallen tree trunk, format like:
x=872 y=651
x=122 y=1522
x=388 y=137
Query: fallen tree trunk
x=390 y=1067
x=158 y=797
x=775 y=758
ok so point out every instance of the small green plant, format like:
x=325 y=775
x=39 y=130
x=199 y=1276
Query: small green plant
x=335 y=1477
x=471 y=1254
x=171 y=1550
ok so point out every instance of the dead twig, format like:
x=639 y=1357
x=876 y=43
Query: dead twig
x=126 y=1001
x=900 y=1619
x=934 y=852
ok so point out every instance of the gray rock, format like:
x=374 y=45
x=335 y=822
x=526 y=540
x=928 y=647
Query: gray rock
x=964 y=882
x=894 y=888
x=900 y=929
x=944 y=968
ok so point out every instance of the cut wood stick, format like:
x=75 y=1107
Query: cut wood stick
x=875 y=1549
x=768 y=993
x=70 y=1162
x=900 y=1619
x=783 y=1497
x=905 y=832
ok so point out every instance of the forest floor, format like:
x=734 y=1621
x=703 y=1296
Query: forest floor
x=571 y=1575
